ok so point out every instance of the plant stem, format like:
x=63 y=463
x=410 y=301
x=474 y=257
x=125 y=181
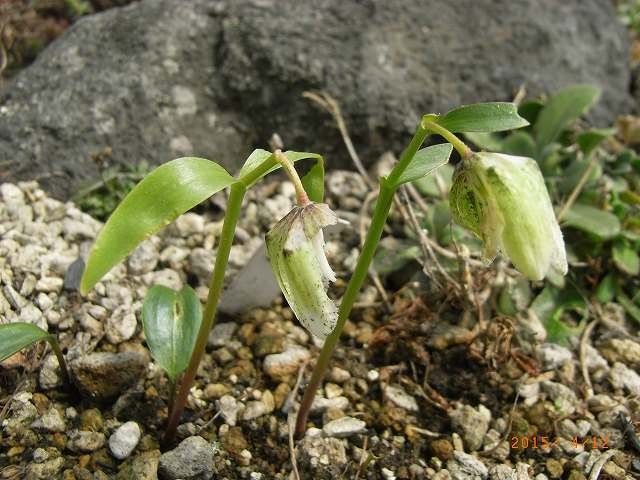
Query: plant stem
x=459 y=145
x=55 y=346
x=172 y=394
x=388 y=188
x=234 y=204
x=290 y=170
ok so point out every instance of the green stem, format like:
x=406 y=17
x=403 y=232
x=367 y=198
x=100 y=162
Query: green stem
x=236 y=195
x=55 y=346
x=459 y=145
x=388 y=188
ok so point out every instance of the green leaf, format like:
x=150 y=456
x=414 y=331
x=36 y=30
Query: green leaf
x=563 y=109
x=258 y=157
x=16 y=336
x=171 y=321
x=551 y=305
x=425 y=162
x=483 y=117
x=602 y=225
x=589 y=140
x=163 y=195
x=519 y=143
x=606 y=290
x=252 y=162
x=313 y=181
x=625 y=258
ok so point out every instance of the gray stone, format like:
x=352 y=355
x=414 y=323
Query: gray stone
x=563 y=397
x=553 y=355
x=502 y=472
x=254 y=286
x=229 y=408
x=45 y=470
x=140 y=467
x=222 y=333
x=160 y=79
x=281 y=365
x=400 y=398
x=466 y=467
x=21 y=413
x=51 y=421
x=81 y=441
x=103 y=376
x=144 y=258
x=344 y=427
x=321 y=404
x=471 y=423
x=193 y=459
x=320 y=453
x=258 y=408
x=623 y=377
x=50 y=375
x=124 y=440
x=120 y=325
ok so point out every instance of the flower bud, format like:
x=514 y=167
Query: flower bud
x=295 y=246
x=504 y=201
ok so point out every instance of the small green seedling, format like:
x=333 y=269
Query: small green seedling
x=171 y=321
x=160 y=197
x=16 y=336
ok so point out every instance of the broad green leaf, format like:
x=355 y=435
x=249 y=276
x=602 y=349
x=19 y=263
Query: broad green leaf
x=483 y=117
x=426 y=161
x=163 y=195
x=626 y=258
x=171 y=321
x=252 y=162
x=16 y=336
x=603 y=225
x=563 y=109
x=589 y=140
x=313 y=181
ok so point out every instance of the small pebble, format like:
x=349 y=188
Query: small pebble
x=344 y=427
x=124 y=440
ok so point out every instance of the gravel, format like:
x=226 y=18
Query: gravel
x=192 y=459
x=124 y=440
x=344 y=427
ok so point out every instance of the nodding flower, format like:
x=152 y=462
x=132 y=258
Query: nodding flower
x=295 y=246
x=504 y=201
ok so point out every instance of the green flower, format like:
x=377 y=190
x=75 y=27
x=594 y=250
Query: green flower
x=503 y=200
x=295 y=246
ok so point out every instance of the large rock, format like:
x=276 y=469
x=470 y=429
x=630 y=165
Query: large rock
x=103 y=375
x=163 y=78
